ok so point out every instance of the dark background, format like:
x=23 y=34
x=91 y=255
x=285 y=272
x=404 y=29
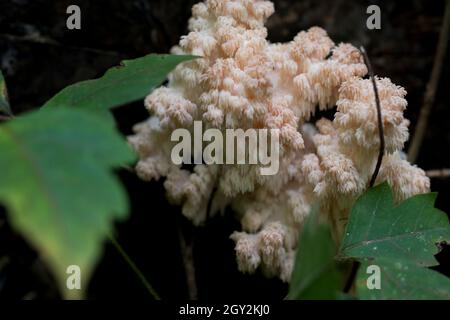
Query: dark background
x=39 y=57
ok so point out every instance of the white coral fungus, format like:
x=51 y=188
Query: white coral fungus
x=243 y=81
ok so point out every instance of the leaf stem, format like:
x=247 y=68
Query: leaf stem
x=134 y=268
x=379 y=117
x=355 y=264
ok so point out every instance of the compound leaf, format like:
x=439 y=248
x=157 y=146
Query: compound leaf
x=410 y=231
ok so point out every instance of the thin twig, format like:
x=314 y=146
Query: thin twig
x=431 y=89
x=440 y=173
x=134 y=268
x=355 y=264
x=187 y=253
x=379 y=117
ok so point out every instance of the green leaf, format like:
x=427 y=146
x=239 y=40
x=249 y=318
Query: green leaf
x=130 y=81
x=4 y=102
x=315 y=274
x=402 y=280
x=59 y=188
x=409 y=231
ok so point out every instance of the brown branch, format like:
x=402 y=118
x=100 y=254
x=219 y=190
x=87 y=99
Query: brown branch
x=355 y=264
x=440 y=173
x=431 y=89
x=187 y=254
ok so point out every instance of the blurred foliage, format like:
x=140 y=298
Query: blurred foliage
x=57 y=182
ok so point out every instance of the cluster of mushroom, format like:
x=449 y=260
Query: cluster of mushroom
x=243 y=81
